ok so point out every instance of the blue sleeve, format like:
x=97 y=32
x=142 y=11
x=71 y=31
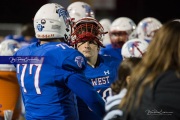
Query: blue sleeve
x=75 y=62
x=83 y=89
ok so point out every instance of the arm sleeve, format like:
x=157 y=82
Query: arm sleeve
x=83 y=89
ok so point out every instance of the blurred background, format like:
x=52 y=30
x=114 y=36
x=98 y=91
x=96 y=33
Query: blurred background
x=16 y=13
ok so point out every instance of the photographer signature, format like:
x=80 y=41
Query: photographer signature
x=24 y=60
x=156 y=112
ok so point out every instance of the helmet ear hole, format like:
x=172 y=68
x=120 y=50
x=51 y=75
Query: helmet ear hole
x=52 y=21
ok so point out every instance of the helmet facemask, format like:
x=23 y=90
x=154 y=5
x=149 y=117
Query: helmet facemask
x=120 y=30
x=87 y=31
x=118 y=38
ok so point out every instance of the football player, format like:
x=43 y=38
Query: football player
x=49 y=86
x=119 y=32
x=101 y=70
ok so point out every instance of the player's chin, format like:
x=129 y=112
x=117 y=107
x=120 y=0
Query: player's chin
x=87 y=55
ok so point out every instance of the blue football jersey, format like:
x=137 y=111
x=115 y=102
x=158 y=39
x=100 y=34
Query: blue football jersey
x=114 y=52
x=101 y=78
x=47 y=89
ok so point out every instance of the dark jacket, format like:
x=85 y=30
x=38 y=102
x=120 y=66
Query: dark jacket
x=161 y=102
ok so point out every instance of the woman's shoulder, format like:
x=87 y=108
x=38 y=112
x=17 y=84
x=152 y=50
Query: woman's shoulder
x=168 y=78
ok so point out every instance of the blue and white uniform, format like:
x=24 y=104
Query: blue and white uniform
x=101 y=78
x=48 y=89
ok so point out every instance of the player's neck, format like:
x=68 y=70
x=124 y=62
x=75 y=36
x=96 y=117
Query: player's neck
x=49 y=40
x=93 y=62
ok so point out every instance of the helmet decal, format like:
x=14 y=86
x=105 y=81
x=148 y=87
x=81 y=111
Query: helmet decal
x=134 y=48
x=62 y=12
x=88 y=10
x=13 y=47
x=147 y=27
x=9 y=47
x=132 y=45
x=40 y=27
x=144 y=27
x=79 y=60
x=132 y=24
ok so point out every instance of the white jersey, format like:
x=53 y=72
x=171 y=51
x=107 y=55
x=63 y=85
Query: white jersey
x=112 y=104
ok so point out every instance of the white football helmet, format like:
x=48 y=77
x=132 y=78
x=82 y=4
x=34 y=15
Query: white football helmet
x=123 y=24
x=120 y=30
x=8 y=48
x=106 y=23
x=147 y=27
x=133 y=35
x=52 y=21
x=87 y=28
x=134 y=48
x=78 y=10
